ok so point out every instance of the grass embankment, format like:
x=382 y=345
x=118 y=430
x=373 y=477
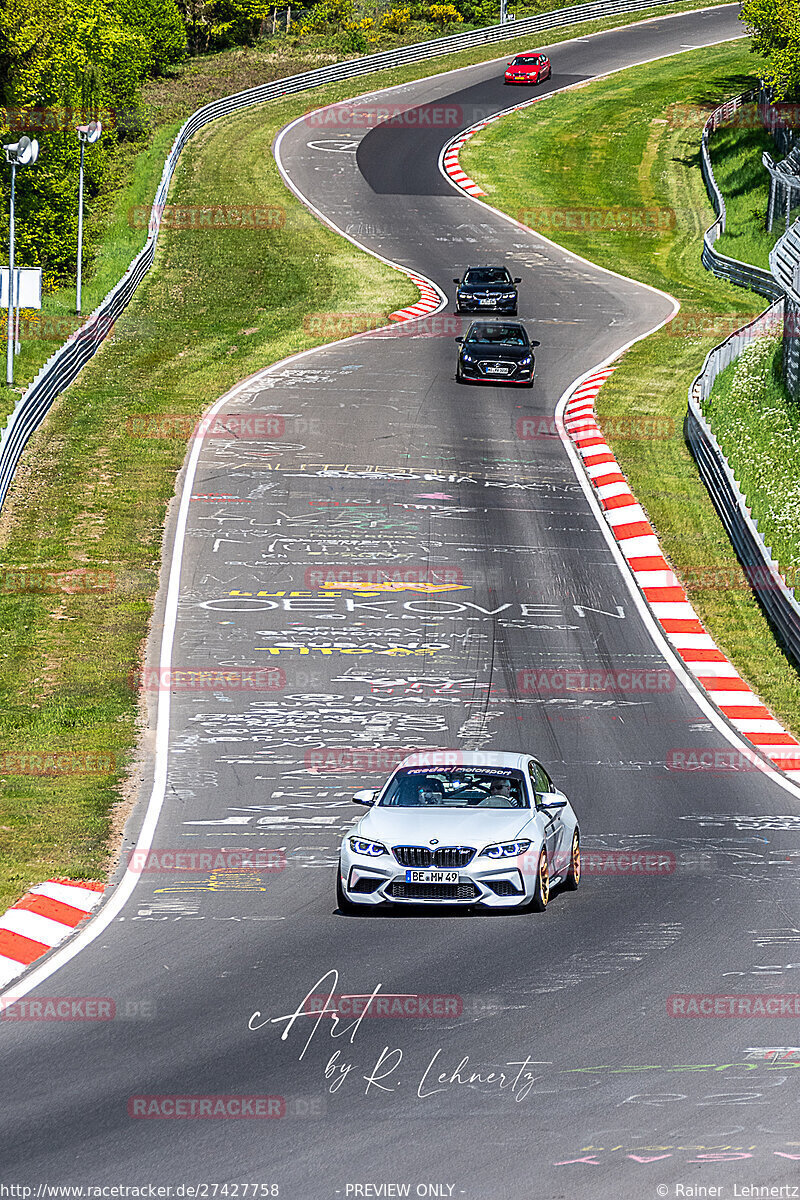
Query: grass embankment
x=136 y=167
x=641 y=156
x=216 y=307
x=758 y=428
x=735 y=152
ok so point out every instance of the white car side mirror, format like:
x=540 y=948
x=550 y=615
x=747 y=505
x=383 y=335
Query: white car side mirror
x=367 y=796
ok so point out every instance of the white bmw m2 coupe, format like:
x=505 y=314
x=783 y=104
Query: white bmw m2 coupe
x=484 y=828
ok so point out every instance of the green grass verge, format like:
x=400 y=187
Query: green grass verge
x=640 y=156
x=216 y=307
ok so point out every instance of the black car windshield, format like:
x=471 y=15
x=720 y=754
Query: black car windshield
x=456 y=787
x=525 y=60
x=482 y=275
x=501 y=335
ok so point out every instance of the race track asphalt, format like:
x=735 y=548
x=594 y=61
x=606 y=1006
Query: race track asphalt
x=380 y=460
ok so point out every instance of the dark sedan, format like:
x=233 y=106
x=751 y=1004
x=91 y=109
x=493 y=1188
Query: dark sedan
x=490 y=288
x=496 y=352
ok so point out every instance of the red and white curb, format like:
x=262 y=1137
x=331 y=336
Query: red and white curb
x=449 y=160
x=452 y=166
x=663 y=591
x=429 y=300
x=41 y=920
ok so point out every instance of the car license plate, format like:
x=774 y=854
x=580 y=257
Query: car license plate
x=431 y=876
x=497 y=370
x=487 y=303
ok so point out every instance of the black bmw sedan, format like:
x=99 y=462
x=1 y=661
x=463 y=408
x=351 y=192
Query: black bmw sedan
x=496 y=352
x=491 y=288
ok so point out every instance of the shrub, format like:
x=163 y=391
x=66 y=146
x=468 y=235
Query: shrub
x=443 y=15
x=395 y=20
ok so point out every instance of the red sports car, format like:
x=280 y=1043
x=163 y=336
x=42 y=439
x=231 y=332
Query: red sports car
x=528 y=68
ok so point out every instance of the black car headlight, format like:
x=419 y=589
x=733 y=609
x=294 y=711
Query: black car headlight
x=526 y=362
x=506 y=849
x=366 y=847
x=466 y=357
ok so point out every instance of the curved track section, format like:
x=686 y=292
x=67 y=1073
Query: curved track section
x=554 y=1063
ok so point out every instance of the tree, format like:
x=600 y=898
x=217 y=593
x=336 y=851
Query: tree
x=775 y=26
x=160 y=22
x=68 y=61
x=215 y=24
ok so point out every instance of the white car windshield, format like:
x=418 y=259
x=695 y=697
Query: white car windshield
x=456 y=787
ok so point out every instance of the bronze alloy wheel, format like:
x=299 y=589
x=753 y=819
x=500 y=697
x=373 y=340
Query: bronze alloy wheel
x=541 y=892
x=574 y=872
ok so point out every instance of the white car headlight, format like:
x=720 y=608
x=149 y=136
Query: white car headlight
x=364 y=846
x=506 y=849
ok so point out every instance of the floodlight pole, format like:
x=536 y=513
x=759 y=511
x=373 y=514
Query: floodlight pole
x=87 y=136
x=10 y=322
x=503 y=11
x=17 y=154
x=80 y=228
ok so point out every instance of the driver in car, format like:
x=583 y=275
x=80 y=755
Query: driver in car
x=432 y=792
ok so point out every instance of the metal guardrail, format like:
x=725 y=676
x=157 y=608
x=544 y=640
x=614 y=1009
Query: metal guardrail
x=784 y=182
x=775 y=597
x=785 y=263
x=739 y=273
x=63 y=367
